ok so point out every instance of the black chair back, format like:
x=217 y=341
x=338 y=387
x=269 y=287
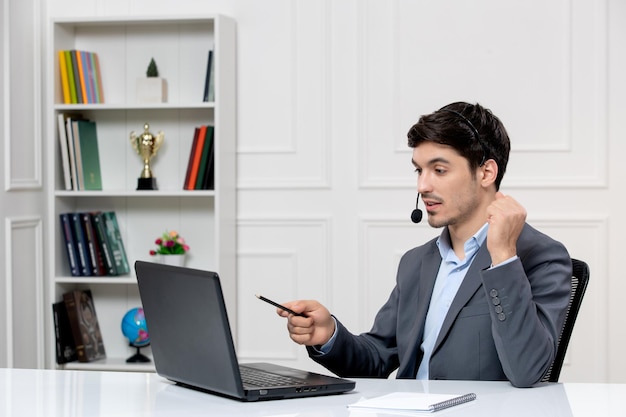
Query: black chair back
x=580 y=279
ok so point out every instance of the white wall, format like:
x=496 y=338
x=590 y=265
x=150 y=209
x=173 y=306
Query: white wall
x=326 y=93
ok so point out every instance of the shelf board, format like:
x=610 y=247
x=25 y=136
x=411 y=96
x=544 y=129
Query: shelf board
x=124 y=279
x=136 y=194
x=135 y=20
x=133 y=106
x=110 y=364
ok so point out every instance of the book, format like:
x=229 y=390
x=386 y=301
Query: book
x=65 y=346
x=95 y=254
x=114 y=237
x=208 y=180
x=69 y=132
x=81 y=245
x=196 y=158
x=65 y=87
x=103 y=241
x=69 y=243
x=191 y=154
x=65 y=155
x=83 y=320
x=97 y=76
x=82 y=75
x=211 y=95
x=412 y=402
x=89 y=158
x=69 y=66
x=76 y=71
x=207 y=79
x=204 y=158
x=72 y=130
x=88 y=86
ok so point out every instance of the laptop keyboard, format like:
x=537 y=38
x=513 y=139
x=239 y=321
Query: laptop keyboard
x=258 y=378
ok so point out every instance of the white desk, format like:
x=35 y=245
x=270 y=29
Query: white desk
x=125 y=394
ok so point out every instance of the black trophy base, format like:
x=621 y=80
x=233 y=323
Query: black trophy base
x=138 y=357
x=146 y=184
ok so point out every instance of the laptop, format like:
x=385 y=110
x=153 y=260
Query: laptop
x=192 y=344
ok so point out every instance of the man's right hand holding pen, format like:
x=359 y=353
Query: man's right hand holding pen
x=314 y=330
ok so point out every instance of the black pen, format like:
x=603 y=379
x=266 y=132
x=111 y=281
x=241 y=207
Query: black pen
x=288 y=310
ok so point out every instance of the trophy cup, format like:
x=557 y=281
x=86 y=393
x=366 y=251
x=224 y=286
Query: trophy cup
x=146 y=145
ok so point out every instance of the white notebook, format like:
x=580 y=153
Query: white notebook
x=412 y=402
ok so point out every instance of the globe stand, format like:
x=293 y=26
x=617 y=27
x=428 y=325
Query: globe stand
x=138 y=357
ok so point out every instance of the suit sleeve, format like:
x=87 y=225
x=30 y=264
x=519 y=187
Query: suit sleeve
x=372 y=354
x=528 y=299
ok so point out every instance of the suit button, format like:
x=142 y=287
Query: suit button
x=495 y=301
x=501 y=317
x=493 y=293
x=498 y=309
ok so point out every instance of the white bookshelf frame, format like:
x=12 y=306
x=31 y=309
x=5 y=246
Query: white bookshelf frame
x=205 y=218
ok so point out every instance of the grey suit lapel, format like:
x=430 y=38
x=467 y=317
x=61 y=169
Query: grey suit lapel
x=470 y=284
x=425 y=278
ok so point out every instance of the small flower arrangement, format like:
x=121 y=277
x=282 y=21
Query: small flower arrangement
x=170 y=243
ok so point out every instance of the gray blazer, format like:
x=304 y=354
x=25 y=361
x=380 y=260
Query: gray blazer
x=478 y=340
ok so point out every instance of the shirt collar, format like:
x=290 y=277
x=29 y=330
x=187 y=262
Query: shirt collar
x=470 y=247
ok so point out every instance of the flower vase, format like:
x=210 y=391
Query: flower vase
x=176 y=260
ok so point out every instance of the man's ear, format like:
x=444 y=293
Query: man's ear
x=489 y=172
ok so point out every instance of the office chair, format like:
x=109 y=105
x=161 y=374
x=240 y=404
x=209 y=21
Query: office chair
x=580 y=278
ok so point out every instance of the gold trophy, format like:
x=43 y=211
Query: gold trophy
x=146 y=145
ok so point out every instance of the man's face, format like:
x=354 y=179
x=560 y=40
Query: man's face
x=449 y=190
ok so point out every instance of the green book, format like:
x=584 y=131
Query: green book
x=107 y=253
x=70 y=75
x=90 y=157
x=117 y=245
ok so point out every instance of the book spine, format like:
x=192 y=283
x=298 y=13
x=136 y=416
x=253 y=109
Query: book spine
x=212 y=81
x=98 y=78
x=90 y=77
x=72 y=153
x=84 y=76
x=65 y=346
x=70 y=76
x=204 y=158
x=77 y=154
x=194 y=144
x=65 y=87
x=70 y=244
x=76 y=67
x=81 y=244
x=65 y=158
x=207 y=79
x=196 y=158
x=95 y=256
x=71 y=306
x=117 y=245
x=209 y=177
x=89 y=155
x=105 y=246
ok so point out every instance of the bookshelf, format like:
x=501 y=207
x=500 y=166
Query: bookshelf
x=205 y=218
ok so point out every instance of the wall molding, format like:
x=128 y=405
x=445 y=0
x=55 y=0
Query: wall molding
x=34 y=226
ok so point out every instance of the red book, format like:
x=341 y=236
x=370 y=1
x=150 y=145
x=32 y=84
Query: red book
x=197 y=154
x=190 y=163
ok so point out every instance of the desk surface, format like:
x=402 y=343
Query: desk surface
x=25 y=392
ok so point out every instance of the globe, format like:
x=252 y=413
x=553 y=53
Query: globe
x=134 y=327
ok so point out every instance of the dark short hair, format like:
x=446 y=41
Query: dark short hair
x=472 y=130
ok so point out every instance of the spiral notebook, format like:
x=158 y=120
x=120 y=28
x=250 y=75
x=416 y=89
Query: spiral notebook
x=412 y=402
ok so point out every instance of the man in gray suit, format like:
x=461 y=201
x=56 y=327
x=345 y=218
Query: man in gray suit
x=484 y=301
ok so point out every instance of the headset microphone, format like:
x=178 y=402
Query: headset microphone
x=416 y=215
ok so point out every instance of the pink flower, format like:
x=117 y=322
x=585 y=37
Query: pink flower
x=170 y=243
